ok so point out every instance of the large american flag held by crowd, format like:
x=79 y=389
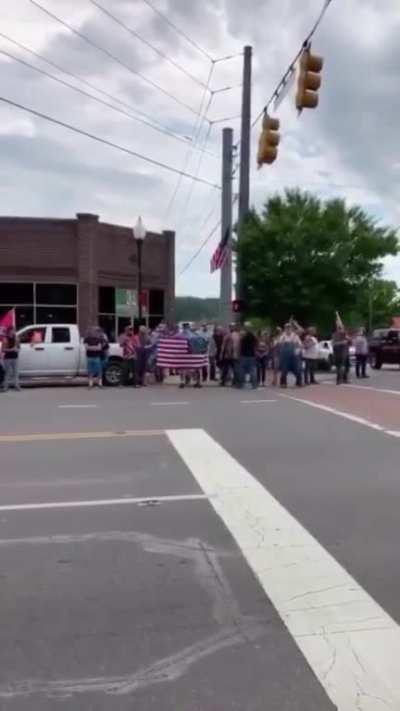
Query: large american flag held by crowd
x=175 y=353
x=221 y=253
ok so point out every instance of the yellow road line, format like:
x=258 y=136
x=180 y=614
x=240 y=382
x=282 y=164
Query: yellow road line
x=59 y=436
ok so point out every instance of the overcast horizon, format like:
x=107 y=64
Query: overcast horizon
x=346 y=148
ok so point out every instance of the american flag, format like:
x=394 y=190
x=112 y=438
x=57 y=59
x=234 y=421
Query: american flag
x=221 y=253
x=175 y=353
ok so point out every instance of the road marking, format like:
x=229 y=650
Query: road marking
x=159 y=404
x=370 y=387
x=100 y=502
x=255 y=402
x=350 y=642
x=73 y=407
x=339 y=413
x=55 y=436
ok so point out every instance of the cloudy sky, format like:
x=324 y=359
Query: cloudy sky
x=348 y=147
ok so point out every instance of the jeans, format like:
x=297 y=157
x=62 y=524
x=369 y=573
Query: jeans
x=129 y=372
x=342 y=370
x=262 y=368
x=141 y=366
x=290 y=363
x=248 y=366
x=309 y=371
x=11 y=373
x=361 y=365
x=227 y=367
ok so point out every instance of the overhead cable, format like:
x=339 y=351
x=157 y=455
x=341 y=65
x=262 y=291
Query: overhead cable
x=106 y=142
x=112 y=56
x=138 y=36
x=178 y=30
x=82 y=80
x=154 y=127
x=200 y=249
x=291 y=67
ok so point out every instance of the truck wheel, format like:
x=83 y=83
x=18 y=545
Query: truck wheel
x=113 y=374
x=375 y=362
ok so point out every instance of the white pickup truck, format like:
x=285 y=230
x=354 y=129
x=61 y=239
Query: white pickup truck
x=56 y=351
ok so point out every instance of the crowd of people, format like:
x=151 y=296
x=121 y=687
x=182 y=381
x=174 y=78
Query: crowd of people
x=234 y=356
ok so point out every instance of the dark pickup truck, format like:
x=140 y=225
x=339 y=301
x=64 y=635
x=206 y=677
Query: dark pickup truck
x=384 y=347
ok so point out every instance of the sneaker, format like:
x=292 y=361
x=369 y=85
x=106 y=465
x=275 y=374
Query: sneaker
x=197 y=385
x=181 y=386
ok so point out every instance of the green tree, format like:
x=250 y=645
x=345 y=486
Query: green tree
x=378 y=302
x=309 y=258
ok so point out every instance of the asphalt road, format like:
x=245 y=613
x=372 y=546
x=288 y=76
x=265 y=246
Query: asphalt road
x=200 y=550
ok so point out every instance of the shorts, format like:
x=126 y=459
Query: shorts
x=94 y=367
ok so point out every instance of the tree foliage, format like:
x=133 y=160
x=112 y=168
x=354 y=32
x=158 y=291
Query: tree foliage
x=192 y=308
x=309 y=258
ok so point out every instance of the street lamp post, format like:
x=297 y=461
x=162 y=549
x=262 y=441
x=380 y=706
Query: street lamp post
x=139 y=233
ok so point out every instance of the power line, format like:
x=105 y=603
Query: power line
x=200 y=249
x=112 y=56
x=135 y=34
x=101 y=101
x=80 y=79
x=291 y=67
x=196 y=135
x=179 y=31
x=203 y=244
x=123 y=149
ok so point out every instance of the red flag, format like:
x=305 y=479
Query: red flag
x=8 y=320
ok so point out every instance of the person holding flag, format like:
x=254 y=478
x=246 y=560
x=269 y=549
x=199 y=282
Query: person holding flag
x=340 y=345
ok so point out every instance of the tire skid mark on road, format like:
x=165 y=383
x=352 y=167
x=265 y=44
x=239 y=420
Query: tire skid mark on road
x=234 y=627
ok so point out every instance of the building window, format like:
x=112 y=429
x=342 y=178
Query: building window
x=113 y=324
x=56 y=294
x=40 y=302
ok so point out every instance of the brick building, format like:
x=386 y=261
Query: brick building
x=83 y=271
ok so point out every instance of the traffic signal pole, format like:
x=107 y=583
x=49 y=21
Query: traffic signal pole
x=244 y=177
x=225 y=314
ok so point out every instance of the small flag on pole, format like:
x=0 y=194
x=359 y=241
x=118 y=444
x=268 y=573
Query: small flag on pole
x=221 y=253
x=8 y=320
x=338 y=321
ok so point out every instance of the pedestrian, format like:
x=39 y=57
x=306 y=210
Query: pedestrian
x=128 y=344
x=276 y=355
x=10 y=350
x=204 y=333
x=290 y=350
x=310 y=356
x=94 y=344
x=104 y=351
x=340 y=345
x=227 y=359
x=214 y=351
x=262 y=354
x=236 y=345
x=143 y=346
x=361 y=348
x=248 y=357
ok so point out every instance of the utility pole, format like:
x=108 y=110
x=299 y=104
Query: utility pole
x=226 y=224
x=244 y=179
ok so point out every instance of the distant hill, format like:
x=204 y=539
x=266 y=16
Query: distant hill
x=193 y=308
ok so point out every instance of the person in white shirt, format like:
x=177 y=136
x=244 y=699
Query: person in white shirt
x=361 y=348
x=290 y=350
x=310 y=356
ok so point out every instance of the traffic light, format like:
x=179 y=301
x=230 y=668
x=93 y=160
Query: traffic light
x=269 y=141
x=309 y=80
x=237 y=306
